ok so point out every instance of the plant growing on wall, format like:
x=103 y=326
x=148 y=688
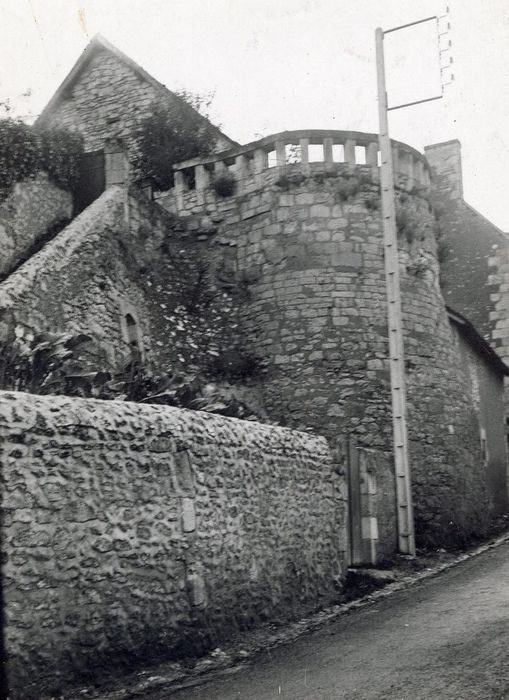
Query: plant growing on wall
x=372 y=202
x=61 y=152
x=38 y=363
x=407 y=220
x=25 y=151
x=224 y=185
x=347 y=187
x=53 y=363
x=19 y=153
x=175 y=131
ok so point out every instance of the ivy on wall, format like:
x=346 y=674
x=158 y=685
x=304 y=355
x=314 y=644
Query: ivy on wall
x=25 y=151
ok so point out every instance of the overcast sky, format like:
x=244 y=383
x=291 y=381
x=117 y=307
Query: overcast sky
x=289 y=64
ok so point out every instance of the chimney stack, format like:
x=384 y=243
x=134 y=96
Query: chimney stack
x=445 y=163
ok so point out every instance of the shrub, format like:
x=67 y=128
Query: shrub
x=407 y=221
x=61 y=152
x=224 y=185
x=175 y=131
x=372 y=202
x=20 y=154
x=234 y=364
x=38 y=363
x=286 y=180
x=346 y=188
x=24 y=152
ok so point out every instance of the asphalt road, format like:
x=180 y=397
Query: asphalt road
x=447 y=638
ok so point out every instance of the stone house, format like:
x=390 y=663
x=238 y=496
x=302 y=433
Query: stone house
x=475 y=261
x=105 y=97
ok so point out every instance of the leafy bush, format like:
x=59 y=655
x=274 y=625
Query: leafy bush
x=24 y=152
x=234 y=364
x=224 y=185
x=407 y=222
x=175 y=131
x=346 y=188
x=52 y=363
x=20 y=154
x=61 y=152
x=38 y=363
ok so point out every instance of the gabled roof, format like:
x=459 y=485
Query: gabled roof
x=99 y=43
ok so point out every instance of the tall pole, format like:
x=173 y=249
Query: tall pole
x=406 y=537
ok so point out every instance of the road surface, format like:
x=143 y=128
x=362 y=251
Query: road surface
x=447 y=638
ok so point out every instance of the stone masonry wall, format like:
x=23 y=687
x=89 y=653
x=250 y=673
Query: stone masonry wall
x=125 y=254
x=487 y=388
x=108 y=101
x=474 y=251
x=312 y=260
x=498 y=286
x=75 y=283
x=30 y=210
x=136 y=532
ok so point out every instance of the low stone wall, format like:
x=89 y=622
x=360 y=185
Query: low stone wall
x=132 y=533
x=30 y=210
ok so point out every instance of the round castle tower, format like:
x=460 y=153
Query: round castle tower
x=298 y=217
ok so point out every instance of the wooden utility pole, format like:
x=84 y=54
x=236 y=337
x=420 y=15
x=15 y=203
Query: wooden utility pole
x=406 y=538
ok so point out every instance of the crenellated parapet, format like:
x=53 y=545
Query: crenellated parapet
x=303 y=152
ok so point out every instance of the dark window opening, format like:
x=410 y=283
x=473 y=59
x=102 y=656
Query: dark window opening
x=132 y=332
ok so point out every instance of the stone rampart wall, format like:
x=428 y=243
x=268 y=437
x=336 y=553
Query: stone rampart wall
x=31 y=209
x=132 y=532
x=311 y=255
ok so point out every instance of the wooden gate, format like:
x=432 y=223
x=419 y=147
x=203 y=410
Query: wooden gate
x=91 y=181
x=363 y=531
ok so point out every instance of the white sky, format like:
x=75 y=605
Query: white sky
x=289 y=64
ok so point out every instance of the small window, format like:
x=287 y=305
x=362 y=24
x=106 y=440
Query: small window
x=130 y=327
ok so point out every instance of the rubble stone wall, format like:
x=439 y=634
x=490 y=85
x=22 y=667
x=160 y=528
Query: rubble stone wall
x=121 y=255
x=475 y=268
x=131 y=532
x=76 y=282
x=487 y=390
x=30 y=210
